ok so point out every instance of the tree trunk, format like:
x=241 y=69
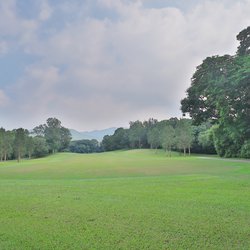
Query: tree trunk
x=184 y=151
x=189 y=151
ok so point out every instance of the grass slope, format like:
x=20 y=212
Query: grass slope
x=124 y=200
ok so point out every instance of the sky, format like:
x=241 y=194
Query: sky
x=95 y=64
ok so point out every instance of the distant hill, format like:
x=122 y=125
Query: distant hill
x=95 y=134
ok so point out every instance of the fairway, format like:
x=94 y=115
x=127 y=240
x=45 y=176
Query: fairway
x=134 y=199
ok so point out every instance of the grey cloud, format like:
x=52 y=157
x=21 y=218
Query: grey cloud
x=98 y=73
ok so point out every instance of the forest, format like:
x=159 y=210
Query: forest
x=41 y=141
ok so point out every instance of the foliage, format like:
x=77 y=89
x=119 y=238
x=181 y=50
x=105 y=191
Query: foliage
x=168 y=138
x=154 y=137
x=168 y=134
x=184 y=136
x=84 y=146
x=119 y=140
x=220 y=94
x=40 y=146
x=137 y=133
x=19 y=143
x=244 y=38
x=57 y=137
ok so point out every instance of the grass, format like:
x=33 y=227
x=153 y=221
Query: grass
x=124 y=200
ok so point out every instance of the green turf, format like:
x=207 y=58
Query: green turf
x=124 y=200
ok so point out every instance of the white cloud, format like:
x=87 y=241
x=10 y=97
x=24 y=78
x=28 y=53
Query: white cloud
x=46 y=11
x=99 y=72
x=4 y=100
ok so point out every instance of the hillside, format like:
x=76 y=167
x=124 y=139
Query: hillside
x=124 y=200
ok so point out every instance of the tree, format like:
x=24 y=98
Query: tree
x=107 y=143
x=65 y=138
x=39 y=130
x=20 y=143
x=8 y=144
x=2 y=139
x=85 y=146
x=184 y=136
x=220 y=93
x=120 y=139
x=29 y=146
x=244 y=38
x=168 y=138
x=57 y=137
x=40 y=146
x=154 y=138
x=137 y=133
x=206 y=140
x=52 y=134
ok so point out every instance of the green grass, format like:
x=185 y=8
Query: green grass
x=124 y=200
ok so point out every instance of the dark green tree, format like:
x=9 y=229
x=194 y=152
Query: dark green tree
x=29 y=146
x=20 y=143
x=244 y=38
x=2 y=139
x=154 y=138
x=65 y=138
x=220 y=93
x=40 y=146
x=137 y=133
x=57 y=137
x=107 y=143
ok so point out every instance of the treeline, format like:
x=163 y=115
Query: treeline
x=218 y=102
x=84 y=146
x=220 y=94
x=42 y=140
x=173 y=134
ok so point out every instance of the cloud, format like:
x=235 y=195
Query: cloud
x=129 y=62
x=4 y=100
x=3 y=47
x=45 y=12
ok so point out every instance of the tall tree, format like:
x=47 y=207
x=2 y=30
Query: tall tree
x=8 y=144
x=65 y=138
x=20 y=143
x=168 y=138
x=30 y=146
x=154 y=138
x=244 y=38
x=40 y=146
x=137 y=133
x=184 y=136
x=39 y=130
x=2 y=139
x=220 y=92
x=57 y=136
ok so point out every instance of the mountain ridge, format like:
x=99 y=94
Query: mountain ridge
x=89 y=135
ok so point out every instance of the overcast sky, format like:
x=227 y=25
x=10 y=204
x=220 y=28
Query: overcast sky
x=95 y=64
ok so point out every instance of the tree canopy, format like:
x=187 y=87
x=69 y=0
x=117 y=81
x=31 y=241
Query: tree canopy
x=220 y=93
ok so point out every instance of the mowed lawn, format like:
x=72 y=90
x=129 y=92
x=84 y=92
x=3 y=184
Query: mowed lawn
x=125 y=200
